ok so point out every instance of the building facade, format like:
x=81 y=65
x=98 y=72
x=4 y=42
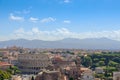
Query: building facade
x=49 y=75
x=33 y=63
x=87 y=75
x=116 y=75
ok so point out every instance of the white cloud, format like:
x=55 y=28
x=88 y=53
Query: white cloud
x=62 y=33
x=21 y=30
x=32 y=19
x=16 y=18
x=67 y=21
x=21 y=33
x=66 y=1
x=35 y=33
x=49 y=19
x=35 y=30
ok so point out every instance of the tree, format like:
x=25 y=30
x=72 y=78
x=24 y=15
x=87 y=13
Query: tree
x=106 y=64
x=32 y=78
x=95 y=60
x=101 y=63
x=99 y=76
x=87 y=61
x=107 y=61
x=116 y=59
x=4 y=75
x=13 y=70
x=113 y=64
x=1 y=77
x=71 y=78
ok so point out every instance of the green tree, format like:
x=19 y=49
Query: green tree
x=1 y=77
x=87 y=61
x=101 y=63
x=95 y=60
x=99 y=76
x=4 y=75
x=107 y=66
x=13 y=70
x=32 y=78
x=116 y=59
x=113 y=64
x=71 y=78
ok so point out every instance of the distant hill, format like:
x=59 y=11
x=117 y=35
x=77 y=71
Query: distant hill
x=89 y=43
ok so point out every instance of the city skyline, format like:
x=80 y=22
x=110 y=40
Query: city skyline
x=58 y=19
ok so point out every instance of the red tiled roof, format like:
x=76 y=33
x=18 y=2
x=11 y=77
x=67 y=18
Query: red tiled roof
x=4 y=64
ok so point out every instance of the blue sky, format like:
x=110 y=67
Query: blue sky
x=58 y=19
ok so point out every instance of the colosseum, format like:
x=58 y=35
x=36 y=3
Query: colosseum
x=33 y=63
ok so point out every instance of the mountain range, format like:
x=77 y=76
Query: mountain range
x=89 y=43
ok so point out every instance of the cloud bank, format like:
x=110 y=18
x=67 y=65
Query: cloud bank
x=62 y=33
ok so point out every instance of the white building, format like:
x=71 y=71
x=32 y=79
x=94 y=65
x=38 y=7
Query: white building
x=87 y=75
x=22 y=77
x=99 y=70
x=116 y=75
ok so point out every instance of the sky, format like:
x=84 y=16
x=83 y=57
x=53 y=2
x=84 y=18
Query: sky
x=59 y=19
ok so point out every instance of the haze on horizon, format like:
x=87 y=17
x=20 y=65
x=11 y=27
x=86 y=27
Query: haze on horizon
x=58 y=19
